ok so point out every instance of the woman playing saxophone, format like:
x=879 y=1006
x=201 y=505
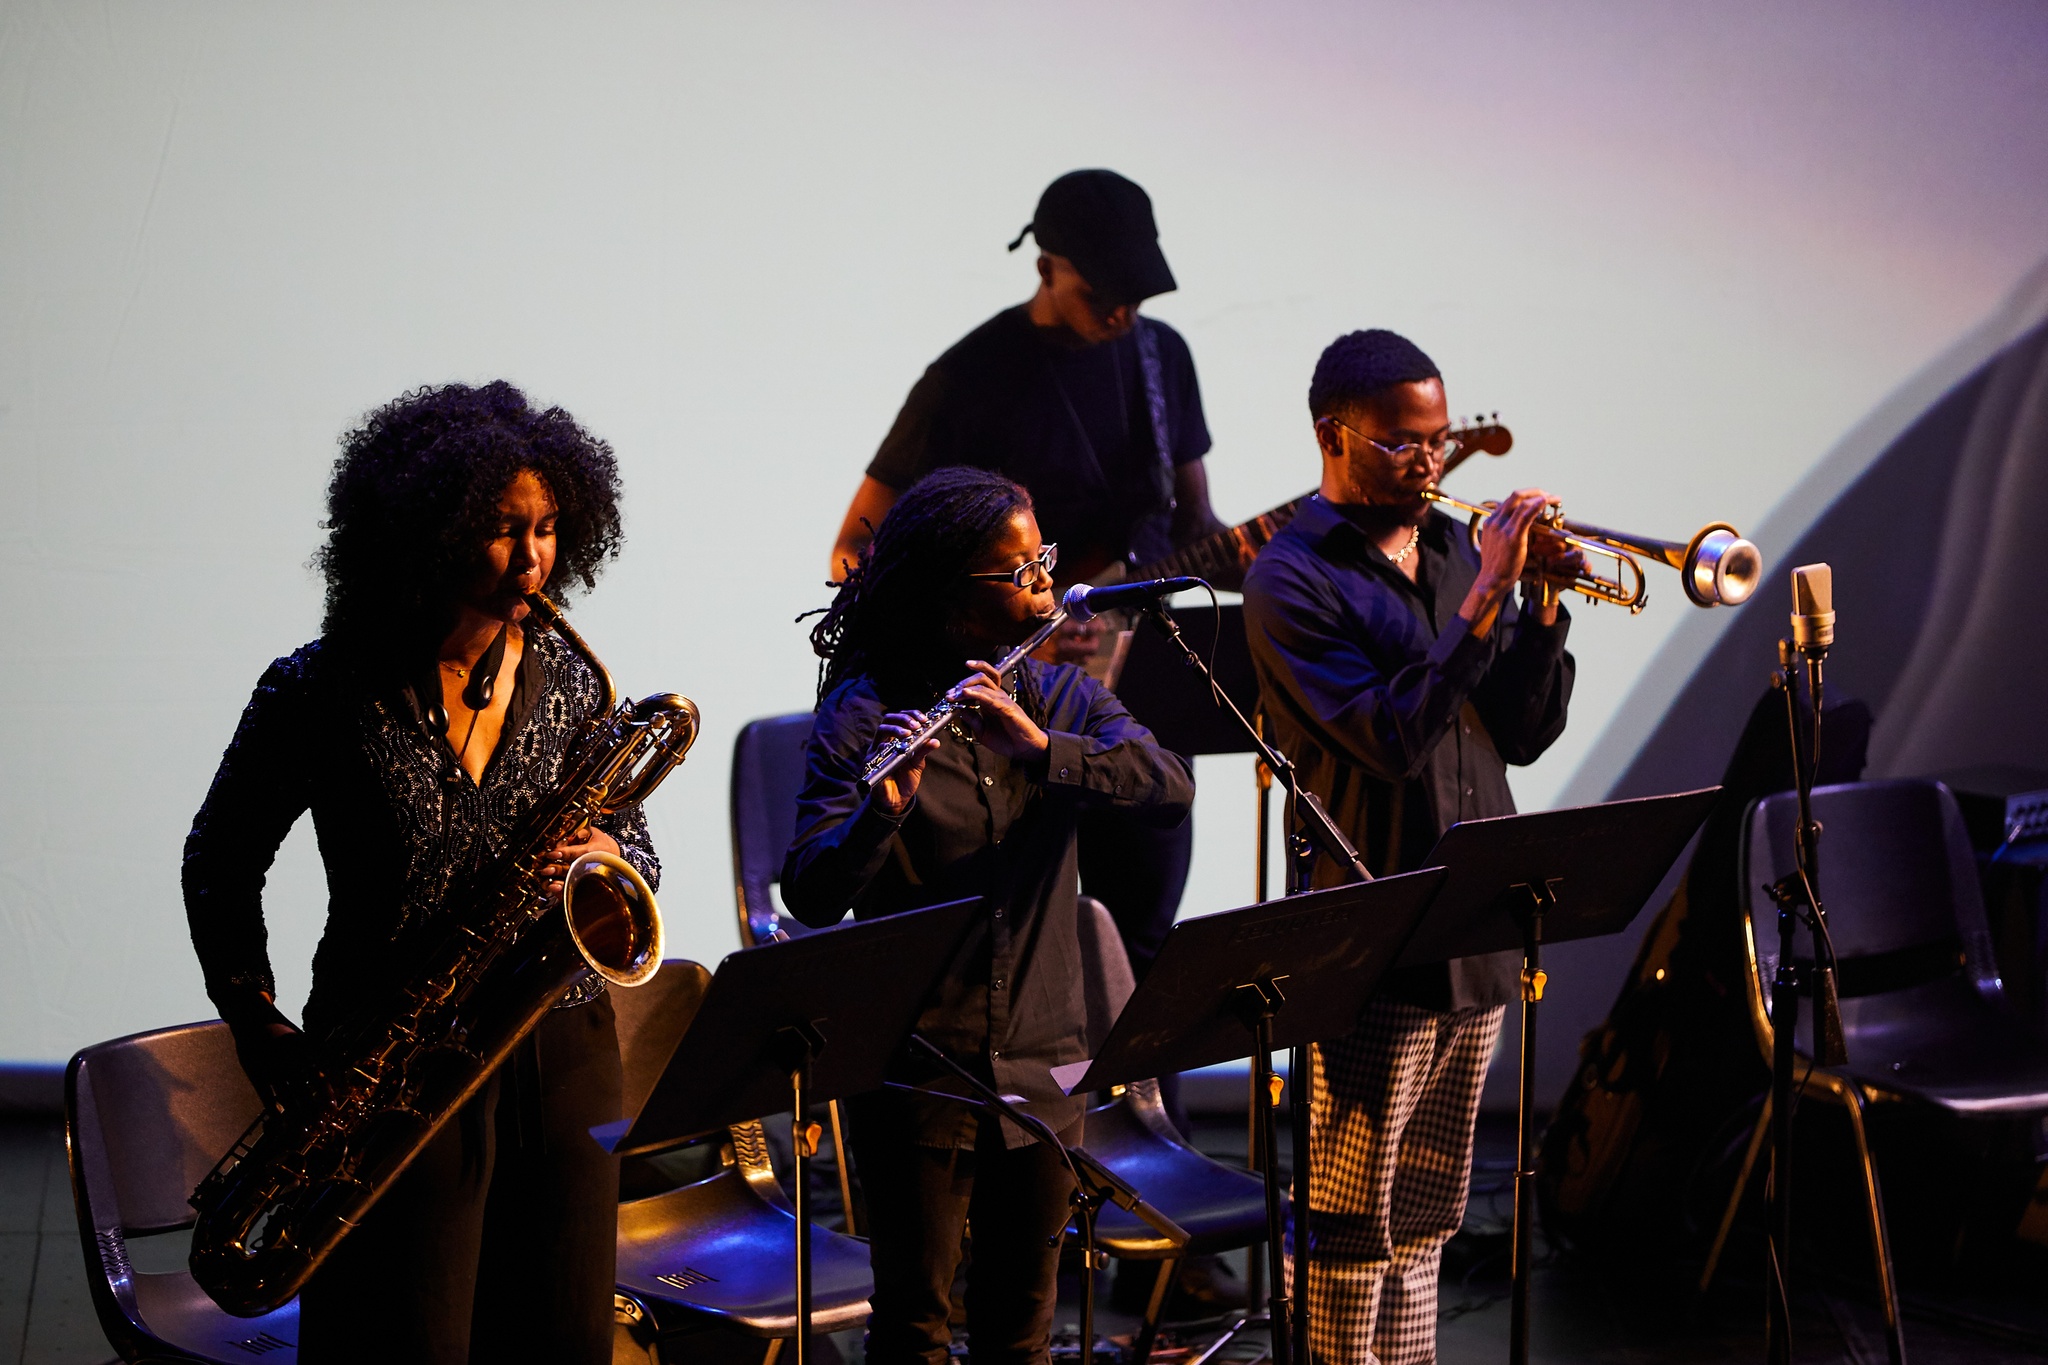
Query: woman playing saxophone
x=420 y=728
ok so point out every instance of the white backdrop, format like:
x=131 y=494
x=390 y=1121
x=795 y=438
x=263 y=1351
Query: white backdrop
x=1681 y=253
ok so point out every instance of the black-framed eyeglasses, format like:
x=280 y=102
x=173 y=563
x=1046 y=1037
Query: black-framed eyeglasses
x=1442 y=448
x=1031 y=573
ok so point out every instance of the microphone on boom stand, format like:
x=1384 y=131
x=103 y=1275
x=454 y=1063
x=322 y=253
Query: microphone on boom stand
x=1083 y=603
x=1813 y=632
x=1798 y=899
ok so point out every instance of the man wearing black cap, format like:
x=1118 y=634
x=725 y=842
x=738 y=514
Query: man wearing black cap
x=1092 y=408
x=1096 y=411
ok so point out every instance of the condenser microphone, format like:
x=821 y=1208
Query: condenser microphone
x=1813 y=609
x=1084 y=603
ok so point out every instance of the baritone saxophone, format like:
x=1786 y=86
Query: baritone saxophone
x=499 y=956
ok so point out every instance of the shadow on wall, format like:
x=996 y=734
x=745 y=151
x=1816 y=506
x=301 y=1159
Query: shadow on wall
x=1934 y=549
x=1907 y=509
x=1941 y=627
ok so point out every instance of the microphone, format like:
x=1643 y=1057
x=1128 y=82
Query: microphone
x=1813 y=609
x=1083 y=603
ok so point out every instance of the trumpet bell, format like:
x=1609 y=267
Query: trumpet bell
x=1721 y=568
x=613 y=918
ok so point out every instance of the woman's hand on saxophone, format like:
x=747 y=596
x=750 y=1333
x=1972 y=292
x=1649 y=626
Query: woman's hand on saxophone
x=894 y=793
x=586 y=840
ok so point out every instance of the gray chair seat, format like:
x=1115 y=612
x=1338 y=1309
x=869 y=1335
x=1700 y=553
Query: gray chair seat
x=147 y=1117
x=721 y=1249
x=726 y=1248
x=1219 y=1208
x=1943 y=1043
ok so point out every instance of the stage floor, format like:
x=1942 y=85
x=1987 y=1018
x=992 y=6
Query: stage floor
x=46 y=1317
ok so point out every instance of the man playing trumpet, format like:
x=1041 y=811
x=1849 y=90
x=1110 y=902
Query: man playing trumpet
x=1401 y=677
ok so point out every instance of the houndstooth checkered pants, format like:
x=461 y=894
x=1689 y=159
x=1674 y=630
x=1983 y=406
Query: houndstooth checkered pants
x=1392 y=1106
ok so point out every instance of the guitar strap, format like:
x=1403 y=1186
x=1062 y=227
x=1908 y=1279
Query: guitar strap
x=1153 y=374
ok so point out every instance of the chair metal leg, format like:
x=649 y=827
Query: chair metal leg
x=844 y=1163
x=1880 y=1237
x=774 y=1350
x=1141 y=1349
x=1757 y=1138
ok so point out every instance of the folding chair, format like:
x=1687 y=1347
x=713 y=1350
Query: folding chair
x=146 y=1117
x=767 y=776
x=1221 y=1209
x=721 y=1250
x=1923 y=1009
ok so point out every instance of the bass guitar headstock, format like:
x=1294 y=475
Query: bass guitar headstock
x=1480 y=434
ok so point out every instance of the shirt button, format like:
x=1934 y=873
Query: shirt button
x=1063 y=772
x=999 y=914
x=988 y=781
x=995 y=1055
x=1468 y=791
x=997 y=983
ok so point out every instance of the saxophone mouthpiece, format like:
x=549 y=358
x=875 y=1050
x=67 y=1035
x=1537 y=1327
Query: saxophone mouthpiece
x=545 y=613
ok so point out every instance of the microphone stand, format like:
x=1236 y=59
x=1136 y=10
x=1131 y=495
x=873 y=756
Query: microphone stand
x=1315 y=832
x=1798 y=901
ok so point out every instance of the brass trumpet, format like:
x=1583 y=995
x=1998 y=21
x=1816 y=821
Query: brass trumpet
x=1717 y=567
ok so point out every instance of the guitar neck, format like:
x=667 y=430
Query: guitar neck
x=1225 y=551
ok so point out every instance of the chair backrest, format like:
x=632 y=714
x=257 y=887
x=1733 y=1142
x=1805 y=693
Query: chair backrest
x=150 y=1115
x=1106 y=977
x=651 y=1021
x=1897 y=876
x=767 y=776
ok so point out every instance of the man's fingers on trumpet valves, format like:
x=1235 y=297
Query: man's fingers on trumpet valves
x=1504 y=543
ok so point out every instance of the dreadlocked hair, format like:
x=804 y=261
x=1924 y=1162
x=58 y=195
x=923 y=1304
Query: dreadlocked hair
x=889 y=618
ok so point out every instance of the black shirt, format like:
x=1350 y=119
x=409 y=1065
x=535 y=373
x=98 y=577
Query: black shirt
x=1398 y=718
x=1072 y=425
x=980 y=825
x=400 y=823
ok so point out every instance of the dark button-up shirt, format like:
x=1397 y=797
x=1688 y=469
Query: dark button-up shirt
x=1010 y=1003
x=400 y=824
x=1397 y=716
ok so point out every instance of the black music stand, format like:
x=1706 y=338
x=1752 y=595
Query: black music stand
x=1521 y=881
x=1283 y=973
x=790 y=1023
x=1172 y=700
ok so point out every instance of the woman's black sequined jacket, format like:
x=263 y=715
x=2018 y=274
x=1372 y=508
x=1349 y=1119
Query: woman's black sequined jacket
x=400 y=824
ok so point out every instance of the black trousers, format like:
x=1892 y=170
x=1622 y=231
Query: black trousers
x=499 y=1242
x=920 y=1202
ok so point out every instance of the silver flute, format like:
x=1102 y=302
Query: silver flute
x=893 y=755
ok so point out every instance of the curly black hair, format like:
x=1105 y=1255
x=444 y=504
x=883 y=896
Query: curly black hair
x=1358 y=367
x=413 y=498
x=890 y=620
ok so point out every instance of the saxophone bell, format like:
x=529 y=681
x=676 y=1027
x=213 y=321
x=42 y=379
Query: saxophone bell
x=612 y=918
